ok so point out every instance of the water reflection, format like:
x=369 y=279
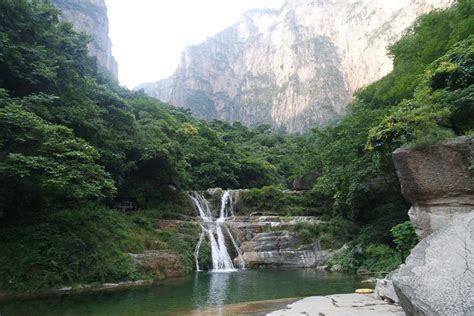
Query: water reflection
x=200 y=291
x=211 y=288
x=218 y=288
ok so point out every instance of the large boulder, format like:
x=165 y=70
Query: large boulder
x=438 y=277
x=437 y=181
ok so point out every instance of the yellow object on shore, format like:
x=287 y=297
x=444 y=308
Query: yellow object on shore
x=364 y=291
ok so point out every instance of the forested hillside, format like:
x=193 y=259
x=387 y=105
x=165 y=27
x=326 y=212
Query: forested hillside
x=428 y=98
x=70 y=134
x=74 y=144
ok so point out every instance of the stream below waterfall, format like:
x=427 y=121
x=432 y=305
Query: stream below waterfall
x=188 y=294
x=228 y=282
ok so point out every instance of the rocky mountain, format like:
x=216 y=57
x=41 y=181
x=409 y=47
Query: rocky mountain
x=90 y=16
x=293 y=68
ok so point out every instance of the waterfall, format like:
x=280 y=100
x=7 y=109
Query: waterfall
x=196 y=250
x=242 y=262
x=214 y=228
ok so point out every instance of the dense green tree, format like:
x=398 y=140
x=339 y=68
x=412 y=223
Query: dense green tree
x=141 y=148
x=43 y=165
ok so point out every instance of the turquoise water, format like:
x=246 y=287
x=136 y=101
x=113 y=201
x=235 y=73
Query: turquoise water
x=201 y=290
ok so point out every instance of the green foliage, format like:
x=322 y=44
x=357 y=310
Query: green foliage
x=352 y=178
x=87 y=245
x=204 y=256
x=182 y=241
x=44 y=164
x=69 y=247
x=331 y=235
x=378 y=259
x=269 y=198
x=273 y=200
x=105 y=142
x=442 y=104
x=33 y=57
x=427 y=98
x=430 y=38
x=404 y=237
x=71 y=136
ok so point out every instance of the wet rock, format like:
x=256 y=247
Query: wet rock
x=437 y=181
x=321 y=268
x=438 y=277
x=162 y=263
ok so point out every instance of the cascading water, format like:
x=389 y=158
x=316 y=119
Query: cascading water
x=213 y=228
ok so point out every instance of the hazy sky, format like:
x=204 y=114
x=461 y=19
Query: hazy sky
x=148 y=36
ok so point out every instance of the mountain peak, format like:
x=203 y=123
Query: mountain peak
x=294 y=68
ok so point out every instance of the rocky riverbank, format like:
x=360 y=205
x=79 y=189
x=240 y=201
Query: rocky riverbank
x=67 y=290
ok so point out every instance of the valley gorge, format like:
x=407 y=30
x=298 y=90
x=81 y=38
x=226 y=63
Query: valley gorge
x=294 y=68
x=142 y=206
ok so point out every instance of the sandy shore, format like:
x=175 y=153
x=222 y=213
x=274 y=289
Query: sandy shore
x=247 y=308
x=340 y=305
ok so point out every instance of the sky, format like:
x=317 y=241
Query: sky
x=149 y=36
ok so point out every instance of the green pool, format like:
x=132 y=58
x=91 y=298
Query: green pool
x=198 y=291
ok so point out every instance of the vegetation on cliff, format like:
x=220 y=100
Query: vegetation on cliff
x=427 y=98
x=74 y=144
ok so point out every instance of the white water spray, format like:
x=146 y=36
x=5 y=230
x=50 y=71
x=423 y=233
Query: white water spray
x=241 y=259
x=196 y=250
x=221 y=260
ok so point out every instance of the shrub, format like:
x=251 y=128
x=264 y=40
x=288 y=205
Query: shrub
x=85 y=245
x=404 y=237
x=331 y=235
x=269 y=198
x=376 y=258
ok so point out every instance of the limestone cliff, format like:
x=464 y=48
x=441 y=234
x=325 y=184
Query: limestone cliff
x=438 y=181
x=293 y=68
x=90 y=16
x=438 y=276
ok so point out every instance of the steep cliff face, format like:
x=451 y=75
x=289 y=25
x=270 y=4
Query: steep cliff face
x=90 y=16
x=438 y=276
x=294 y=68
